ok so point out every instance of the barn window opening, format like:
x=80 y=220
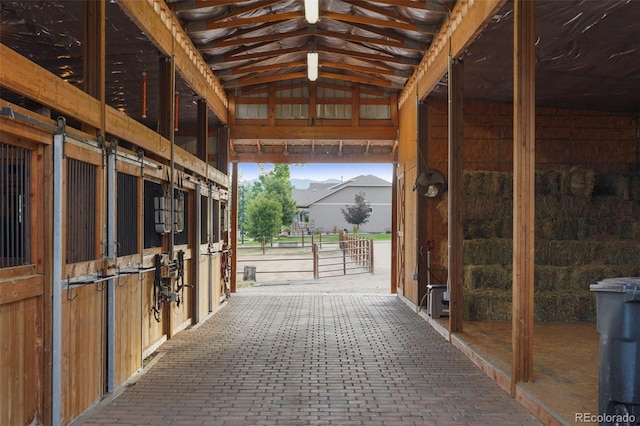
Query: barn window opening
x=15 y=206
x=81 y=211
x=127 y=214
x=215 y=221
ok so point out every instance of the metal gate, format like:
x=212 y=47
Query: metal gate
x=349 y=256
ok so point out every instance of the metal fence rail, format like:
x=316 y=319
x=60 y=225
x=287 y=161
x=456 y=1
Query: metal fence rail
x=349 y=256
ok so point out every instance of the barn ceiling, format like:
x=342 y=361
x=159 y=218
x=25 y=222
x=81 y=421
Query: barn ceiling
x=588 y=52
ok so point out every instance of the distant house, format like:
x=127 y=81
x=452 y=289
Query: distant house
x=320 y=205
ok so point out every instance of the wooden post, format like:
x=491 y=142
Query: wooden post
x=234 y=226
x=394 y=230
x=371 y=256
x=314 y=250
x=523 y=190
x=456 y=272
x=202 y=137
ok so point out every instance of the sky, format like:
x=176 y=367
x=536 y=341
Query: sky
x=319 y=172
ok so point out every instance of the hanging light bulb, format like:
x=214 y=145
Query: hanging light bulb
x=311 y=11
x=312 y=66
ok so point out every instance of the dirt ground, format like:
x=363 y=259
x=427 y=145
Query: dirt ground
x=291 y=270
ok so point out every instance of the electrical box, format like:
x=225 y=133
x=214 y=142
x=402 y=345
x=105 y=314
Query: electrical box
x=437 y=307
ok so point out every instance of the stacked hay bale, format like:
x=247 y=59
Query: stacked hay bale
x=587 y=229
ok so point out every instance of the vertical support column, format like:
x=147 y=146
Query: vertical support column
x=355 y=105
x=94 y=53
x=394 y=230
x=202 y=131
x=166 y=128
x=111 y=257
x=222 y=160
x=523 y=190
x=234 y=224
x=57 y=268
x=422 y=215
x=455 y=233
x=197 y=254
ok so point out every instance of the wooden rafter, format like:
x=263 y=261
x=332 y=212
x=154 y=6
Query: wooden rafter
x=240 y=11
x=278 y=17
x=384 y=23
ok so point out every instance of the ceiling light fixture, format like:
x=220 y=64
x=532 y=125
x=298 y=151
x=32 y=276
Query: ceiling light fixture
x=312 y=11
x=312 y=66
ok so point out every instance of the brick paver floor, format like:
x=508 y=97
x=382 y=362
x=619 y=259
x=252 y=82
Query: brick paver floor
x=311 y=359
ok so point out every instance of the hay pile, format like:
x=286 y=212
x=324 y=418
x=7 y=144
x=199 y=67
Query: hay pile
x=587 y=229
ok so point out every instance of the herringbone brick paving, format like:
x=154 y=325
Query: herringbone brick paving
x=311 y=359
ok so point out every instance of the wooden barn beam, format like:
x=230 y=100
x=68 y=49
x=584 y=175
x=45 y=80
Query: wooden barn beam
x=240 y=131
x=524 y=58
x=456 y=206
x=309 y=157
x=158 y=22
x=467 y=19
x=46 y=88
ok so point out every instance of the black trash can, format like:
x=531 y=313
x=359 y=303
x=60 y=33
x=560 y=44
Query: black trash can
x=618 y=307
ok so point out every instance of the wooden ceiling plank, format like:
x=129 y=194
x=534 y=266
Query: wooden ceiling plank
x=317 y=132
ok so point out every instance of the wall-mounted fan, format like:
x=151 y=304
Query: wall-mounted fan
x=430 y=183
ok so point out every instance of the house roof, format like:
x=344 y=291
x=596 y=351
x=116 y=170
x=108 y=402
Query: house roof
x=318 y=191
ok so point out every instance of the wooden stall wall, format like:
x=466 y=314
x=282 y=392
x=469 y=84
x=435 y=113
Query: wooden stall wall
x=21 y=353
x=83 y=307
x=82 y=350
x=153 y=334
x=407 y=204
x=128 y=327
x=181 y=315
x=22 y=281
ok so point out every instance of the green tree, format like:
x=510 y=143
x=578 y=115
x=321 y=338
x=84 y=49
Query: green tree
x=276 y=186
x=359 y=212
x=264 y=217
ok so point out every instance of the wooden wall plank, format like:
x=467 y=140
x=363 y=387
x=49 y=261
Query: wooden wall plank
x=21 y=362
x=128 y=331
x=20 y=288
x=82 y=344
